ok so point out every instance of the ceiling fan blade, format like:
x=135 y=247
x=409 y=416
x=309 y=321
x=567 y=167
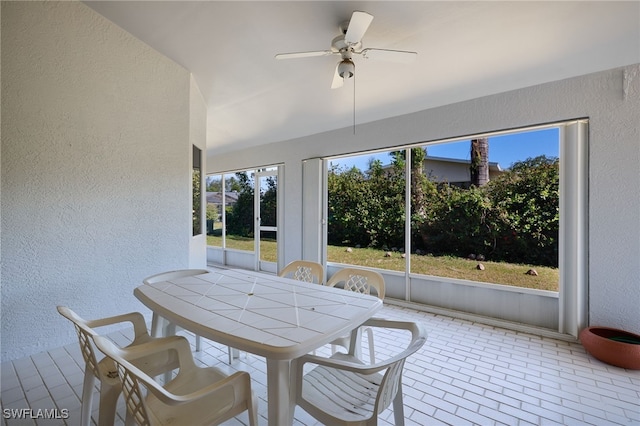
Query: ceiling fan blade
x=295 y=55
x=358 y=25
x=338 y=81
x=401 y=56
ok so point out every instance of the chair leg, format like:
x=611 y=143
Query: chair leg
x=398 y=407
x=252 y=408
x=169 y=329
x=87 y=396
x=233 y=354
x=198 y=343
x=129 y=420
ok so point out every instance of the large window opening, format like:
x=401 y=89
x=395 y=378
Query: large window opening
x=242 y=214
x=496 y=223
x=484 y=209
x=489 y=210
x=366 y=210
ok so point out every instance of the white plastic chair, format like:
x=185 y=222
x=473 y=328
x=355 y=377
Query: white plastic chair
x=170 y=328
x=361 y=281
x=304 y=270
x=341 y=390
x=195 y=395
x=105 y=370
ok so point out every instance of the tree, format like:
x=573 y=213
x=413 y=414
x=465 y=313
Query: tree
x=418 y=178
x=479 y=161
x=233 y=184
x=212 y=212
x=385 y=206
x=347 y=191
x=240 y=219
x=197 y=202
x=214 y=184
x=459 y=222
x=268 y=206
x=528 y=198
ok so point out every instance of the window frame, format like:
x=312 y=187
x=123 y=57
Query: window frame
x=572 y=304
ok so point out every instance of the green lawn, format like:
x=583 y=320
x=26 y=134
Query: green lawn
x=443 y=266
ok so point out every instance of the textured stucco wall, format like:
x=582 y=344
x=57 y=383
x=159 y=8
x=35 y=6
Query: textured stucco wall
x=614 y=164
x=96 y=174
x=198 y=138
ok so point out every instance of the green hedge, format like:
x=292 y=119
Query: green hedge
x=514 y=218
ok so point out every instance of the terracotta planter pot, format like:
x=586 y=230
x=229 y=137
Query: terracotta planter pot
x=613 y=346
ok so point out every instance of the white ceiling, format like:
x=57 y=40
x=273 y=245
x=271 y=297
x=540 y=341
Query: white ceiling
x=465 y=50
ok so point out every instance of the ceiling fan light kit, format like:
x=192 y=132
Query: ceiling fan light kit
x=346 y=68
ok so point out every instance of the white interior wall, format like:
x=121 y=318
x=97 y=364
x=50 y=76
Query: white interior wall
x=610 y=100
x=96 y=173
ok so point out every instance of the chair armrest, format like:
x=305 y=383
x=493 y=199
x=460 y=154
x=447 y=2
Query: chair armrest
x=176 y=348
x=344 y=362
x=240 y=378
x=135 y=318
x=179 y=344
x=351 y=363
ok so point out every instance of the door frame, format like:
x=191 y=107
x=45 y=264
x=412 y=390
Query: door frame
x=260 y=265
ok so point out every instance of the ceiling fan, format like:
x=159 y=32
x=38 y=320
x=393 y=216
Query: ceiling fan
x=349 y=43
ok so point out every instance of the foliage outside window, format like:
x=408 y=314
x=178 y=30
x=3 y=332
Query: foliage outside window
x=239 y=215
x=470 y=218
x=196 y=206
x=237 y=204
x=366 y=212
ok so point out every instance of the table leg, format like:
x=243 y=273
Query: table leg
x=280 y=397
x=233 y=354
x=155 y=325
x=160 y=327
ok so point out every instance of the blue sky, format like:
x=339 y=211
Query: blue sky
x=505 y=149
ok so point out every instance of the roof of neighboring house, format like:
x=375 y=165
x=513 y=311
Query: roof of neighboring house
x=216 y=197
x=493 y=166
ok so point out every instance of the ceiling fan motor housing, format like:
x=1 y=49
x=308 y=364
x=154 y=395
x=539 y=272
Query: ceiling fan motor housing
x=339 y=44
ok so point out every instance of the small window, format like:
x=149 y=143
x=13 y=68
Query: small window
x=197 y=191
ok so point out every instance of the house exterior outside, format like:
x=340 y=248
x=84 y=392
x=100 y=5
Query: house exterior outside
x=215 y=198
x=454 y=171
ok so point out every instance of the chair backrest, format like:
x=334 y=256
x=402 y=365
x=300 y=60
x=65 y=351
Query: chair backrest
x=304 y=270
x=129 y=377
x=135 y=381
x=85 y=337
x=359 y=280
x=194 y=395
x=169 y=275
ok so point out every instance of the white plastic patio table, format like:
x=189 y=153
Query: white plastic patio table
x=278 y=318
